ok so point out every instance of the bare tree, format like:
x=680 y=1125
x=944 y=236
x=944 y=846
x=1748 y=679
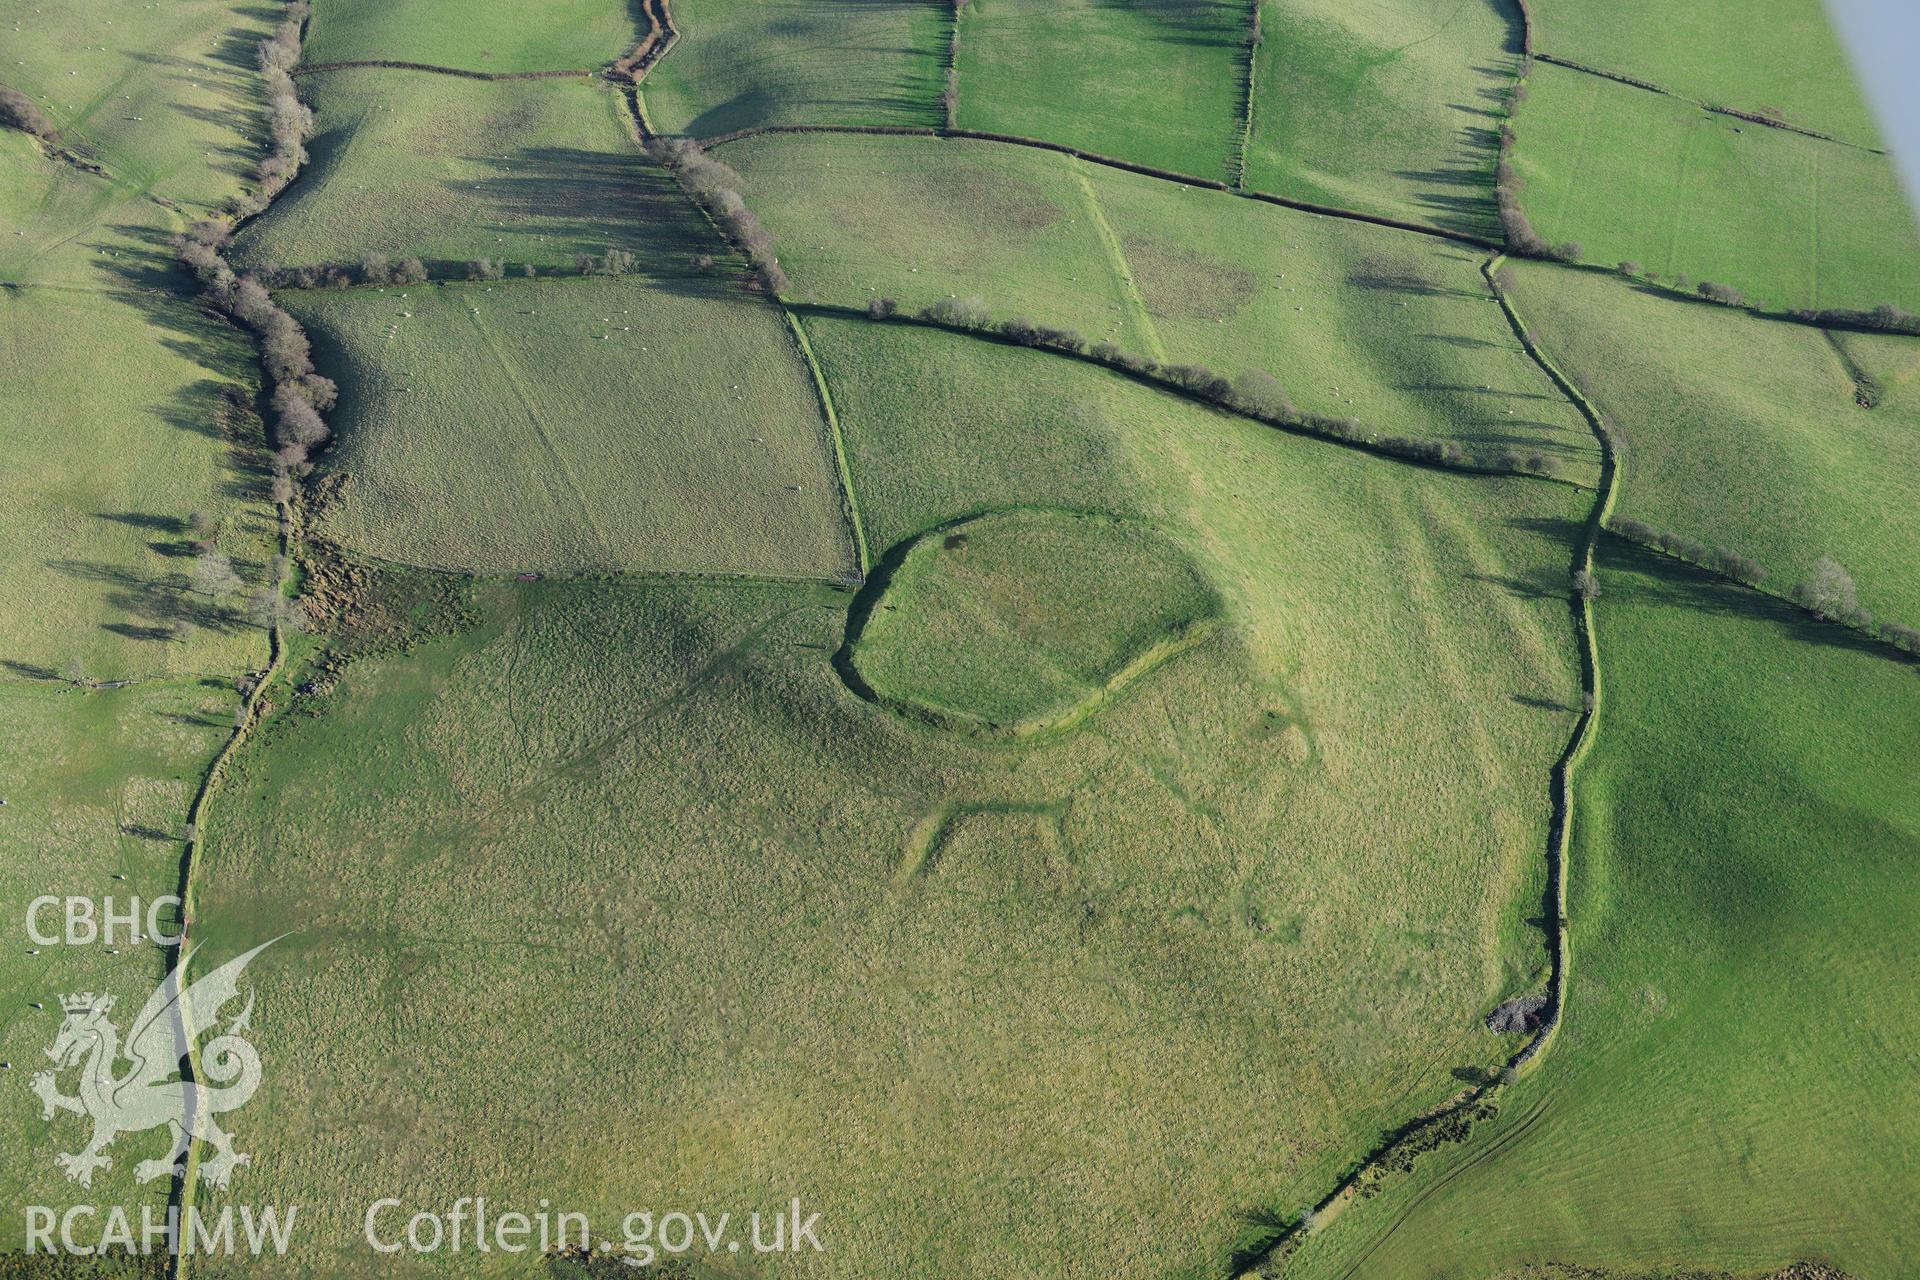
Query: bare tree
x=213 y=575
x=1829 y=591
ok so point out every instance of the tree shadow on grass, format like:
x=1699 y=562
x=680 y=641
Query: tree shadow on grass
x=1213 y=24
x=154 y=608
x=592 y=201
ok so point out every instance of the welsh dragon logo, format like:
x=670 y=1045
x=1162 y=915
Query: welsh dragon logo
x=151 y=1092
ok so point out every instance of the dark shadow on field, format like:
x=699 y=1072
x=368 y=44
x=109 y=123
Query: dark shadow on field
x=1408 y=276
x=752 y=108
x=156 y=607
x=593 y=201
x=141 y=520
x=1539 y=703
x=29 y=670
x=194 y=720
x=1206 y=23
x=160 y=606
x=1459 y=196
x=1634 y=576
x=234 y=78
x=1541 y=582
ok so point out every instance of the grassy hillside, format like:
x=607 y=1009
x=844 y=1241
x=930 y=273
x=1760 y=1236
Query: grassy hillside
x=448 y=170
x=1729 y=1089
x=1744 y=433
x=161 y=99
x=743 y=63
x=1758 y=55
x=1397 y=330
x=1387 y=106
x=544 y=35
x=103 y=476
x=575 y=425
x=1632 y=175
x=166 y=97
x=59 y=225
x=1326 y=819
x=97 y=785
x=1156 y=83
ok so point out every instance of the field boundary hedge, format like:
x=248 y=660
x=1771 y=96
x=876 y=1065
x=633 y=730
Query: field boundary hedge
x=299 y=393
x=1903 y=640
x=849 y=502
x=1111 y=162
x=1197 y=384
x=1590 y=679
x=1249 y=86
x=1752 y=117
x=1452 y=1121
x=312 y=68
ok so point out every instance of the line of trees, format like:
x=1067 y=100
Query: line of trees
x=1521 y=238
x=378 y=268
x=1885 y=318
x=1729 y=564
x=18 y=111
x=301 y=395
x=950 y=96
x=1829 y=592
x=1256 y=393
x=289 y=121
x=715 y=187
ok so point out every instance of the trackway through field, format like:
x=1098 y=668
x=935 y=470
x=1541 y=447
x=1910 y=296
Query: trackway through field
x=650 y=50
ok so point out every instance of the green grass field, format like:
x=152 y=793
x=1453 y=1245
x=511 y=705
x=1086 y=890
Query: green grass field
x=740 y=64
x=1021 y=622
x=104 y=473
x=530 y=171
x=576 y=425
x=1389 y=106
x=1757 y=55
x=1156 y=83
x=97 y=785
x=1632 y=175
x=547 y=35
x=1003 y=948
x=1397 y=330
x=1745 y=433
x=1729 y=1090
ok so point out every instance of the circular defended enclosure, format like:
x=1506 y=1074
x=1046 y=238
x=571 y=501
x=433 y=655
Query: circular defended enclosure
x=1025 y=622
